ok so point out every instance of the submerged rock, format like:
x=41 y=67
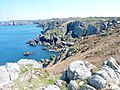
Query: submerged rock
x=31 y=43
x=27 y=53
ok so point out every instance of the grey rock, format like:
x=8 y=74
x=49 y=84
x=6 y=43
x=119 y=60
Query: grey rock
x=114 y=86
x=13 y=70
x=69 y=53
x=89 y=65
x=73 y=85
x=34 y=63
x=112 y=64
x=91 y=30
x=113 y=77
x=87 y=87
x=64 y=75
x=82 y=74
x=4 y=76
x=6 y=86
x=103 y=74
x=78 y=70
x=51 y=87
x=77 y=28
x=113 y=69
x=28 y=53
x=60 y=83
x=97 y=81
x=31 y=43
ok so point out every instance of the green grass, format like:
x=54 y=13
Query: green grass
x=22 y=83
x=25 y=68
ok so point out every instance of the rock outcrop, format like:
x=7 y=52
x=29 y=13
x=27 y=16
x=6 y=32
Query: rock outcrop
x=60 y=83
x=106 y=77
x=80 y=75
x=78 y=70
x=77 y=28
x=51 y=87
x=4 y=76
x=28 y=53
x=97 y=81
x=11 y=71
x=87 y=87
x=73 y=85
x=32 y=62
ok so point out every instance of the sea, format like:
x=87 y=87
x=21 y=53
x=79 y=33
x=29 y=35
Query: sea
x=13 y=43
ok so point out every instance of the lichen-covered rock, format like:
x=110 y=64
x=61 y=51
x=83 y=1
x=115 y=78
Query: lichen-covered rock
x=113 y=69
x=108 y=74
x=112 y=64
x=87 y=87
x=78 y=70
x=113 y=86
x=73 y=85
x=60 y=83
x=13 y=70
x=51 y=87
x=32 y=62
x=4 y=76
x=97 y=81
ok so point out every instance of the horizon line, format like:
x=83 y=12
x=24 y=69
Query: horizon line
x=58 y=18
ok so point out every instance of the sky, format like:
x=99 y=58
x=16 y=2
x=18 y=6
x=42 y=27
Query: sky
x=45 y=9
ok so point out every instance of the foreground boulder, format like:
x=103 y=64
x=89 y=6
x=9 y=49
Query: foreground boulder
x=73 y=85
x=51 y=87
x=98 y=82
x=87 y=87
x=112 y=64
x=78 y=70
x=60 y=83
x=106 y=77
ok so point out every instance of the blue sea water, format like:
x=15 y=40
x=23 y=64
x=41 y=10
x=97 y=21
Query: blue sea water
x=13 y=43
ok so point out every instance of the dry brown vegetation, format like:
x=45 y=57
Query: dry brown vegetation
x=94 y=49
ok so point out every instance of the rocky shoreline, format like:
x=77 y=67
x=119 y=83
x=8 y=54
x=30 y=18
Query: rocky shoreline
x=65 y=35
x=69 y=37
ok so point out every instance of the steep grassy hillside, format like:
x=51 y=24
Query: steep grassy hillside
x=94 y=49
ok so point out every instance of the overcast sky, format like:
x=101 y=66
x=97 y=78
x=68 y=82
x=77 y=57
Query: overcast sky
x=44 y=9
